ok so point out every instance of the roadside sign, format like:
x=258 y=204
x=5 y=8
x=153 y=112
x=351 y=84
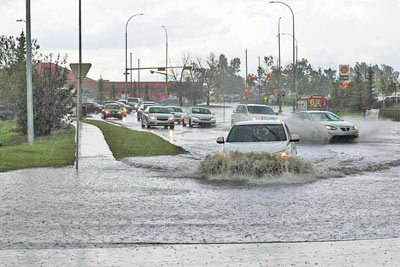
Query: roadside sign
x=161 y=69
x=344 y=72
x=187 y=67
x=85 y=67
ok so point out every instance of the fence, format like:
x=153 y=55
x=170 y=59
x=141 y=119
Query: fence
x=390 y=113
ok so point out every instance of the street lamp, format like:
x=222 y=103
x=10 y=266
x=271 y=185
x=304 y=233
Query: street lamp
x=297 y=46
x=294 y=59
x=166 y=59
x=279 y=66
x=29 y=96
x=126 y=53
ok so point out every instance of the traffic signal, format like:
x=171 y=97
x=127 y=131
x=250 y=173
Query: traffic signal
x=270 y=78
x=250 y=78
x=345 y=84
x=246 y=92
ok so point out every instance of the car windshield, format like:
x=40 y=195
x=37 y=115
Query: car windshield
x=261 y=110
x=112 y=106
x=133 y=100
x=201 y=111
x=324 y=116
x=159 y=110
x=257 y=133
x=175 y=109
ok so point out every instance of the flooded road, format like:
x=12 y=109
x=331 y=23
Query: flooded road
x=111 y=203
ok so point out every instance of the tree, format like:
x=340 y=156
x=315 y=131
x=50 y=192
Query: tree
x=100 y=86
x=52 y=99
x=356 y=88
x=113 y=91
x=369 y=97
x=146 y=90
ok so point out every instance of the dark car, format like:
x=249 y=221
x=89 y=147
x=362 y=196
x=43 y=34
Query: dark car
x=142 y=107
x=112 y=111
x=6 y=113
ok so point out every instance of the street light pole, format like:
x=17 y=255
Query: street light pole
x=297 y=46
x=29 y=97
x=294 y=57
x=126 y=53
x=279 y=66
x=166 y=59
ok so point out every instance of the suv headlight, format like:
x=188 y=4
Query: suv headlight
x=151 y=117
x=355 y=127
x=328 y=127
x=172 y=118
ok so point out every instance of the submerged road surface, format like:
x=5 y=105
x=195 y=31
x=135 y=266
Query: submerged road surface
x=112 y=203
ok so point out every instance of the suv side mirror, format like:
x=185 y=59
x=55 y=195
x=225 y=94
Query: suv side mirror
x=220 y=140
x=295 y=138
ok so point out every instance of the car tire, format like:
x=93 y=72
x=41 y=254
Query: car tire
x=165 y=127
x=172 y=127
x=190 y=124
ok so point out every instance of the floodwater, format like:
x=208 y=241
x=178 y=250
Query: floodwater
x=111 y=203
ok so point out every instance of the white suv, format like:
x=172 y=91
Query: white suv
x=251 y=112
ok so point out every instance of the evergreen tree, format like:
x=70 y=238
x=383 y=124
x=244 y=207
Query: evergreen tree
x=369 y=97
x=113 y=92
x=100 y=86
x=356 y=88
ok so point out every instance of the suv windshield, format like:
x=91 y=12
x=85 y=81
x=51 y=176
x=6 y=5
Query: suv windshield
x=257 y=133
x=322 y=116
x=159 y=110
x=261 y=110
x=201 y=111
x=175 y=109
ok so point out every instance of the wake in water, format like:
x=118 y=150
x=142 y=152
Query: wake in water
x=256 y=168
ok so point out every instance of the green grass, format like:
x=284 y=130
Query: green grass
x=124 y=142
x=56 y=150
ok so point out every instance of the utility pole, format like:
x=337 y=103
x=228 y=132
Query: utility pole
x=166 y=59
x=79 y=104
x=138 y=60
x=131 y=71
x=279 y=66
x=247 y=84
x=29 y=97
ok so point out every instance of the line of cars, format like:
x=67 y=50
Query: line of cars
x=257 y=128
x=151 y=114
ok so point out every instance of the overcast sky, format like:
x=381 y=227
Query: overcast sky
x=329 y=32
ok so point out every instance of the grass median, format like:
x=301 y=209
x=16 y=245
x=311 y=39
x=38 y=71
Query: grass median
x=56 y=150
x=124 y=142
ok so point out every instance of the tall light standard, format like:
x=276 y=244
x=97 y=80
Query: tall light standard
x=29 y=94
x=294 y=57
x=166 y=59
x=297 y=46
x=279 y=65
x=126 y=53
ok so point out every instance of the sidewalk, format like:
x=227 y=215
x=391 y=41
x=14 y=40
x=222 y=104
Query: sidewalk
x=384 y=252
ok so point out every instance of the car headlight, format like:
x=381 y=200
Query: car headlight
x=254 y=119
x=107 y=112
x=283 y=154
x=328 y=127
x=197 y=118
x=119 y=112
x=151 y=117
x=355 y=127
x=172 y=118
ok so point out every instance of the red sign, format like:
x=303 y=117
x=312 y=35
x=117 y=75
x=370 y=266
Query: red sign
x=316 y=102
